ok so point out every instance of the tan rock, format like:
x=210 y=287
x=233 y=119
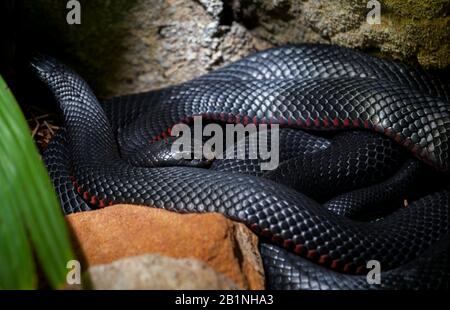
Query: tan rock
x=412 y=31
x=156 y=272
x=120 y=231
x=124 y=47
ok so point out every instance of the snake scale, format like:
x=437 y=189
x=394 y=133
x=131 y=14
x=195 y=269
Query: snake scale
x=358 y=135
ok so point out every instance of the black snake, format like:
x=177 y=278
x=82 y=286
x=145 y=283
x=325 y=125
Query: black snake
x=374 y=132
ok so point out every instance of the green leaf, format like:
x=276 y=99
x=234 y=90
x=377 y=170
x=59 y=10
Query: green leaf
x=29 y=208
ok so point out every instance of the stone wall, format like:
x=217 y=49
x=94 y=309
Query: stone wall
x=416 y=31
x=127 y=46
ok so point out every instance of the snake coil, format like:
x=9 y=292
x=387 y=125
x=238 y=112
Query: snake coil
x=358 y=135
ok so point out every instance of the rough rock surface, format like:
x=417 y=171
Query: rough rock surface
x=131 y=46
x=414 y=31
x=121 y=231
x=124 y=47
x=156 y=272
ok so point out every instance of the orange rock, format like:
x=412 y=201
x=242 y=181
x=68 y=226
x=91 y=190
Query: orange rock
x=106 y=235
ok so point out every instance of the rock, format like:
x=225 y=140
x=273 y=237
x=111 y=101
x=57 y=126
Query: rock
x=119 y=231
x=156 y=272
x=412 y=31
x=213 y=7
x=124 y=47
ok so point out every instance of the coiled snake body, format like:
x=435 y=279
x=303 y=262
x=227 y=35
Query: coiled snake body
x=376 y=132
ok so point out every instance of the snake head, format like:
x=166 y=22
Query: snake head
x=44 y=65
x=165 y=153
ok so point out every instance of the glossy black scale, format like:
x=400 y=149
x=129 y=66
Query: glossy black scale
x=317 y=88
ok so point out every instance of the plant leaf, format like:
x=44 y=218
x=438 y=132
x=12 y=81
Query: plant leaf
x=27 y=198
